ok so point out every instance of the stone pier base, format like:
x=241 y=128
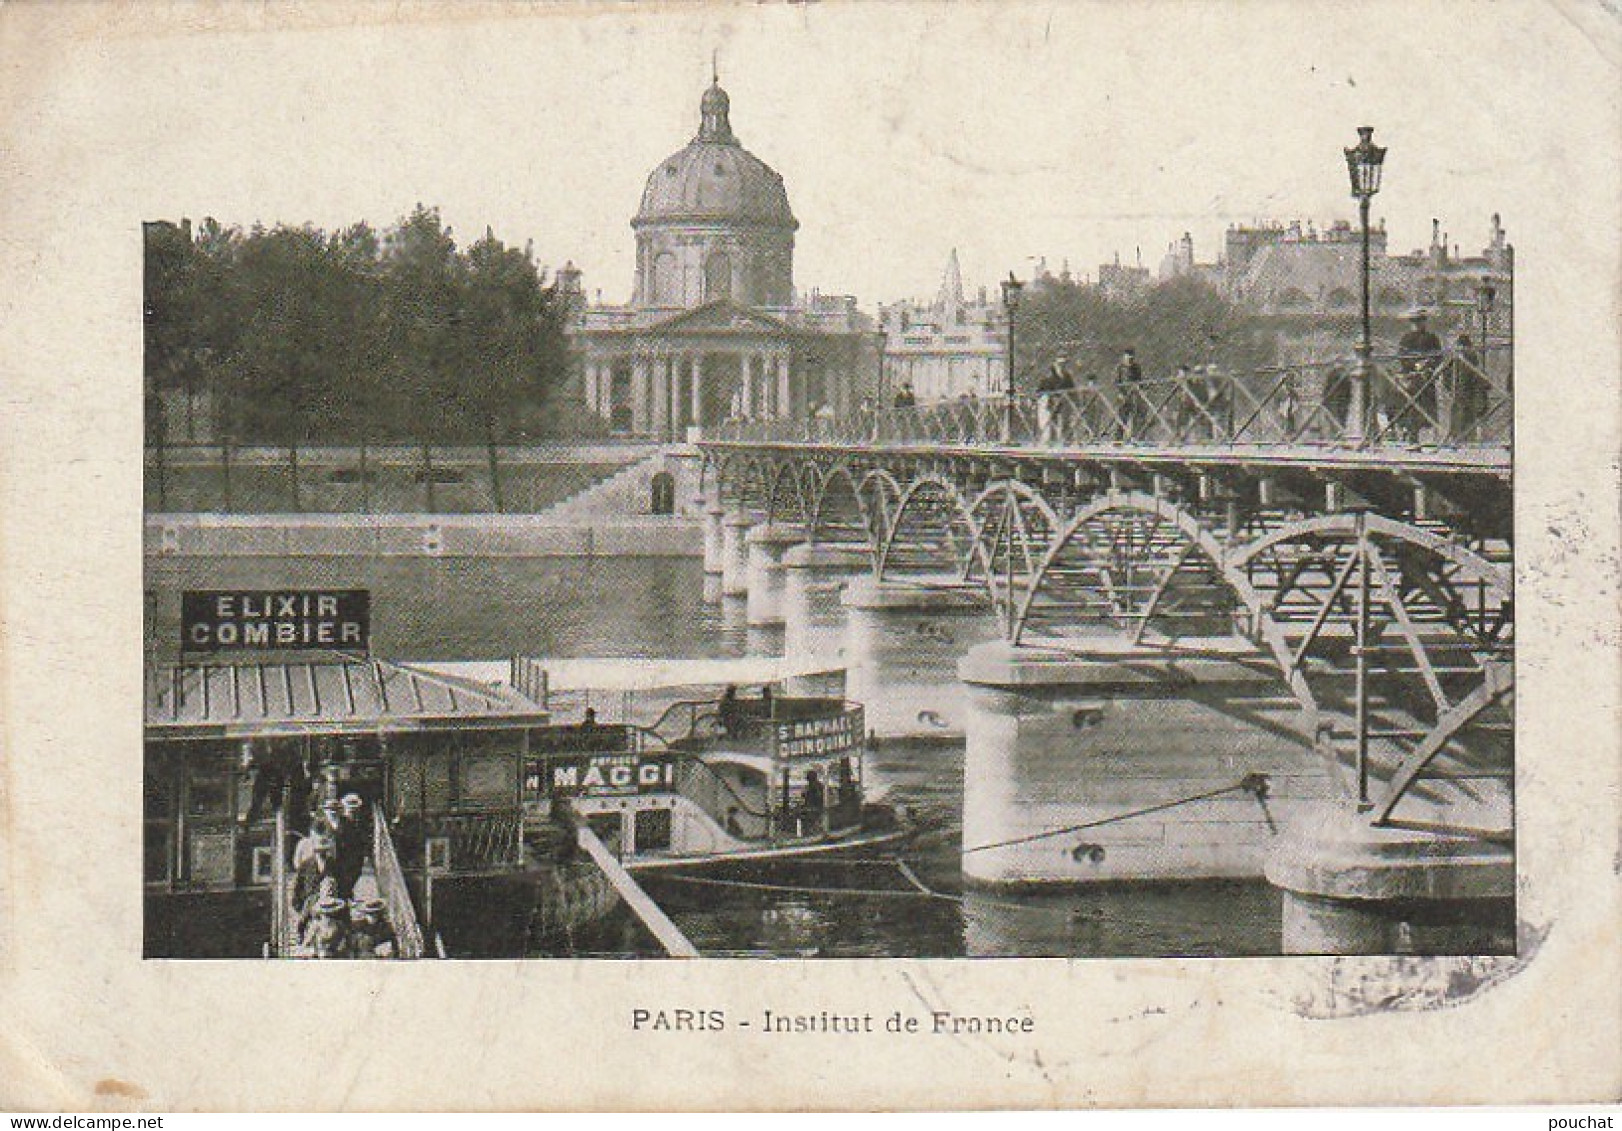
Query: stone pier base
x=814 y=576
x=735 y=553
x=902 y=643
x=1353 y=888
x=714 y=540
x=767 y=544
x=1125 y=741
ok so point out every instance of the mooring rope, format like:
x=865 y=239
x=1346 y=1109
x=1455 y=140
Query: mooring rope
x=923 y=891
x=1255 y=784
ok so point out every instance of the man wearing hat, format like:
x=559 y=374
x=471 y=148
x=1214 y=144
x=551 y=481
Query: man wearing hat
x=1129 y=397
x=354 y=841
x=1418 y=353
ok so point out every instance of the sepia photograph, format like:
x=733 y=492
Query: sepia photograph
x=639 y=592
x=810 y=556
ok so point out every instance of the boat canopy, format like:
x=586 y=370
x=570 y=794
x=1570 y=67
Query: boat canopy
x=259 y=697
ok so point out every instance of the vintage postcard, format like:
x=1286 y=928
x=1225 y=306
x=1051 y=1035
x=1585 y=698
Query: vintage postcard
x=993 y=554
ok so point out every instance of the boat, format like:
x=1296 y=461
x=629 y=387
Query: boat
x=711 y=781
x=239 y=753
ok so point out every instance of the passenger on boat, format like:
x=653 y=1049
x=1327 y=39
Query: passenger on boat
x=325 y=935
x=848 y=798
x=275 y=769
x=766 y=700
x=812 y=801
x=729 y=712
x=565 y=830
x=353 y=843
x=315 y=864
x=367 y=927
x=593 y=735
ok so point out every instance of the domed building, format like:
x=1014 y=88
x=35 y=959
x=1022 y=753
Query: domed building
x=714 y=329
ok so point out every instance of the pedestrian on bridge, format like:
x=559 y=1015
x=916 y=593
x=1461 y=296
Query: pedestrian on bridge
x=1466 y=390
x=1129 y=395
x=1419 y=357
x=1053 y=402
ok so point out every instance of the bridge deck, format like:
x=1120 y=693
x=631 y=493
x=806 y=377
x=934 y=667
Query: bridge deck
x=1475 y=459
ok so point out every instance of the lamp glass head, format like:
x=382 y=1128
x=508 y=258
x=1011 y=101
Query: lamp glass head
x=1364 y=162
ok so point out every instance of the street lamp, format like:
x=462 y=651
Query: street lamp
x=1011 y=288
x=1364 y=162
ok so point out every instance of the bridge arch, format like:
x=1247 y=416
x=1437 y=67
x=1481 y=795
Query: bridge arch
x=933 y=534
x=1394 y=639
x=786 y=499
x=746 y=481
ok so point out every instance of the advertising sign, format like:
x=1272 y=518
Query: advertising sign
x=596 y=775
x=820 y=738
x=274 y=620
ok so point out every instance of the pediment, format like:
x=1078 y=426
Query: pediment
x=722 y=316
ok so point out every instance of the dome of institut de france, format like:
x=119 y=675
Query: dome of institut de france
x=714 y=178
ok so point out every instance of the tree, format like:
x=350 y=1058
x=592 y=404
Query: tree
x=1182 y=321
x=305 y=335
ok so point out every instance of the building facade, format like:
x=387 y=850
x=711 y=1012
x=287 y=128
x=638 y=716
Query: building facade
x=1309 y=282
x=947 y=349
x=714 y=329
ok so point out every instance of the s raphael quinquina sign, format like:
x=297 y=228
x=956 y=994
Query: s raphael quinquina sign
x=276 y=620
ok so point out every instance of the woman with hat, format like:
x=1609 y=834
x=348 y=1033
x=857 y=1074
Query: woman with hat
x=324 y=937
x=315 y=864
x=367 y=925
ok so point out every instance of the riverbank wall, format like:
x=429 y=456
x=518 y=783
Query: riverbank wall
x=419 y=535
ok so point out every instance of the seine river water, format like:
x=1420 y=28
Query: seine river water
x=426 y=609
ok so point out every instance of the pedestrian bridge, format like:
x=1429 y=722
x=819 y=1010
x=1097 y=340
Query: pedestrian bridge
x=1351 y=525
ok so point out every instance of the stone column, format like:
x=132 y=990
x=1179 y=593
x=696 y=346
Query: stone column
x=746 y=369
x=814 y=573
x=695 y=372
x=591 y=386
x=678 y=397
x=785 y=399
x=658 y=376
x=714 y=538
x=639 y=396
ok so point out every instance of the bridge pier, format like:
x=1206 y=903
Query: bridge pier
x=813 y=575
x=735 y=526
x=765 y=545
x=1352 y=888
x=902 y=642
x=714 y=538
x=1181 y=763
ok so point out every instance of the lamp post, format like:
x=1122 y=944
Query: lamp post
x=1486 y=298
x=1364 y=162
x=1011 y=288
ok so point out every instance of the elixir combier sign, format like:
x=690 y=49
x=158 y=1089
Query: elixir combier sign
x=275 y=620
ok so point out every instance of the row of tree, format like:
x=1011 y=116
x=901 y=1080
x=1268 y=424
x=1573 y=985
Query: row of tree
x=297 y=335
x=1182 y=321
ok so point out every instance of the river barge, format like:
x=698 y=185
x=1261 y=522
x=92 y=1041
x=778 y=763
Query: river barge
x=472 y=799
x=241 y=754
x=718 y=781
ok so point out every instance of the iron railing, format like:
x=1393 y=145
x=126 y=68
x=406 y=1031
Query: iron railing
x=1455 y=398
